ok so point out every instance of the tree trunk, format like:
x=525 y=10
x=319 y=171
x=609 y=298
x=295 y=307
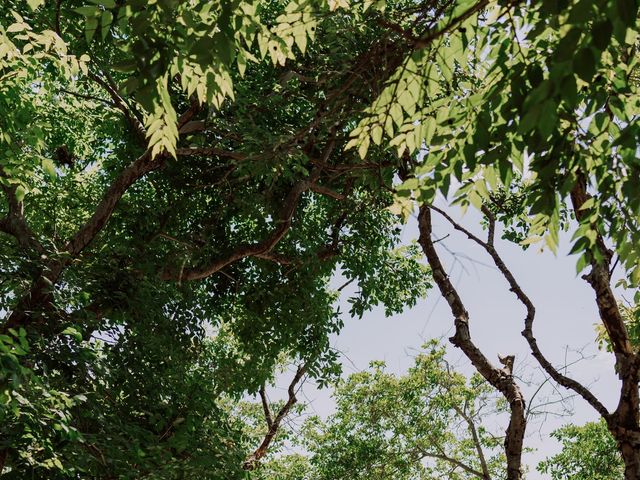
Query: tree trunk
x=500 y=378
x=631 y=456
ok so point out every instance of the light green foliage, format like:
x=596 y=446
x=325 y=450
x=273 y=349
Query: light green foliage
x=30 y=96
x=588 y=453
x=489 y=102
x=419 y=425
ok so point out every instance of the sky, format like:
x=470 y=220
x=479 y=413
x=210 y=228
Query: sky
x=565 y=317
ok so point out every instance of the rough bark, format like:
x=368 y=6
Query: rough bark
x=527 y=333
x=500 y=378
x=624 y=422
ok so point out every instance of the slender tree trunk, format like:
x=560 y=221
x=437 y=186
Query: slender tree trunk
x=500 y=378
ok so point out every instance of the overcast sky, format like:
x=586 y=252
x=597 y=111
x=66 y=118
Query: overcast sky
x=566 y=314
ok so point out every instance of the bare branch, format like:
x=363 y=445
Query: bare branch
x=193 y=126
x=600 y=280
x=326 y=191
x=501 y=379
x=265 y=406
x=476 y=440
x=89 y=97
x=58 y=29
x=122 y=105
x=527 y=333
x=252 y=461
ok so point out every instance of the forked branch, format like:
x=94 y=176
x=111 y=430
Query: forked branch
x=527 y=333
x=500 y=378
x=274 y=423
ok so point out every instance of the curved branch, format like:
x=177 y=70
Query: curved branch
x=624 y=423
x=39 y=295
x=122 y=105
x=527 y=333
x=252 y=461
x=101 y=215
x=209 y=152
x=265 y=406
x=500 y=378
x=260 y=249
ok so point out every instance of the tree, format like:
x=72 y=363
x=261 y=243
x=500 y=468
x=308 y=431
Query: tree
x=174 y=168
x=124 y=250
x=512 y=100
x=429 y=423
x=588 y=452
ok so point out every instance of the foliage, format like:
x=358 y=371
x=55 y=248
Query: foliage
x=181 y=180
x=428 y=423
x=588 y=452
x=489 y=103
x=137 y=352
x=631 y=317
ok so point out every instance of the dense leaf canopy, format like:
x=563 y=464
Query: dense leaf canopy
x=182 y=181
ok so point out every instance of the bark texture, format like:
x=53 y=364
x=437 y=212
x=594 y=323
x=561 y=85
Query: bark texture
x=500 y=378
x=624 y=422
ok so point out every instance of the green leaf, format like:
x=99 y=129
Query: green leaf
x=90 y=28
x=105 y=23
x=72 y=332
x=627 y=10
x=35 y=4
x=582 y=263
x=363 y=147
x=601 y=33
x=584 y=64
x=87 y=11
x=376 y=134
x=49 y=167
x=20 y=193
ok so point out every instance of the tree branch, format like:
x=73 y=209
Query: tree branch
x=122 y=105
x=261 y=248
x=39 y=295
x=14 y=222
x=527 y=333
x=501 y=379
x=265 y=406
x=453 y=461
x=476 y=441
x=252 y=461
x=624 y=423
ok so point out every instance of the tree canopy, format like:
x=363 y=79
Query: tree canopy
x=182 y=180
